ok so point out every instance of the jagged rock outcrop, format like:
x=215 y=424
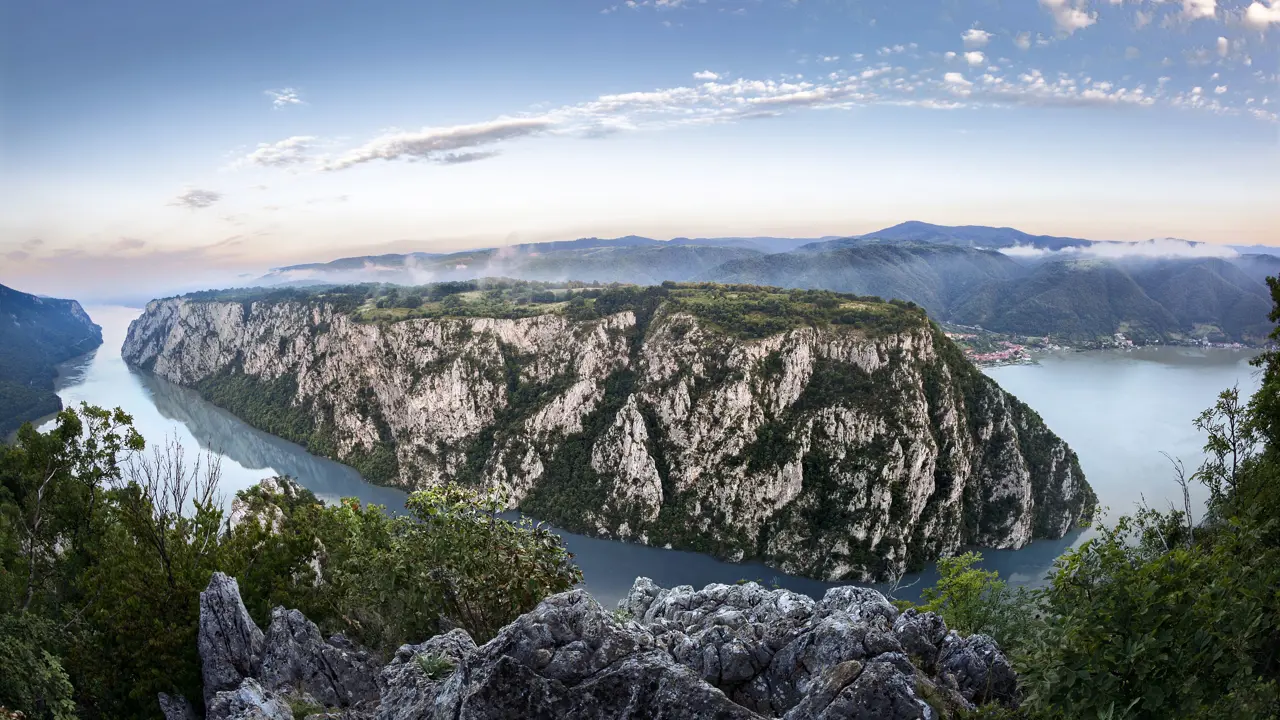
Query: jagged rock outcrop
x=729 y=652
x=297 y=659
x=834 y=451
x=229 y=642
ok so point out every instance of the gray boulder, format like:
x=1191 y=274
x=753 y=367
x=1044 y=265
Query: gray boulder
x=230 y=644
x=861 y=604
x=570 y=658
x=852 y=691
x=176 y=707
x=297 y=659
x=406 y=690
x=921 y=635
x=975 y=667
x=248 y=701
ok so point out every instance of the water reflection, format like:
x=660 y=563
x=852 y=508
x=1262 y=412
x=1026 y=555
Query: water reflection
x=217 y=430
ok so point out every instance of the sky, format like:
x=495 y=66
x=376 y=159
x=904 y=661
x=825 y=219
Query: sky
x=163 y=146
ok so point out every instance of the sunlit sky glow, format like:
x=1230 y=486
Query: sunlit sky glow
x=169 y=145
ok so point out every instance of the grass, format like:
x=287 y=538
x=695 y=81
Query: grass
x=435 y=666
x=301 y=708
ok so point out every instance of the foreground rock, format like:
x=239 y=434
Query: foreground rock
x=726 y=652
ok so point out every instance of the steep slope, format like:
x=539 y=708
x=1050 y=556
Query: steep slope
x=35 y=335
x=837 y=437
x=932 y=276
x=1078 y=300
x=1213 y=297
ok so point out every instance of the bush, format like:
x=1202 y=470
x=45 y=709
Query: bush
x=99 y=611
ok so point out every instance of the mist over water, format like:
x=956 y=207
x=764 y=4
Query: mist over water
x=1118 y=410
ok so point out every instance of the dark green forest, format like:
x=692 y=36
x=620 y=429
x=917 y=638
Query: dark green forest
x=35 y=335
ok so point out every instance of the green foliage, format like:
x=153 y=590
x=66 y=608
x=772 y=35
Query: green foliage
x=973 y=600
x=390 y=579
x=435 y=666
x=104 y=551
x=31 y=678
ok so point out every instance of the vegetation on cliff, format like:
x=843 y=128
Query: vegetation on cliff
x=35 y=335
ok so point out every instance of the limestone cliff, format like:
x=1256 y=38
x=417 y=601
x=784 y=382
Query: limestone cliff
x=843 y=450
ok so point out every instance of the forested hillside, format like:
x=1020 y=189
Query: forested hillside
x=1008 y=281
x=36 y=334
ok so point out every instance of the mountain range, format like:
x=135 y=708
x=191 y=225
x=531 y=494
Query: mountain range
x=1001 y=279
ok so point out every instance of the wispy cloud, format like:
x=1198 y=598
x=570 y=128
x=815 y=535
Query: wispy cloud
x=1146 y=249
x=894 y=77
x=284 y=97
x=290 y=151
x=196 y=198
x=447 y=145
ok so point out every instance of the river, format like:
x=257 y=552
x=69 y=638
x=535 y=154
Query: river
x=1118 y=410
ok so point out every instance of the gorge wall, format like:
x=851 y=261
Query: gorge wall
x=840 y=451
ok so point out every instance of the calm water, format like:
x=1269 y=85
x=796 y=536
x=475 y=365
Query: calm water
x=1118 y=410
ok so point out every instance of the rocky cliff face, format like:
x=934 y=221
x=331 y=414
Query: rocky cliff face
x=827 y=450
x=730 y=652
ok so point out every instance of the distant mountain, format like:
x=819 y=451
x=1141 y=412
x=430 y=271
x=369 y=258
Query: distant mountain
x=629 y=259
x=37 y=333
x=1000 y=278
x=976 y=236
x=932 y=276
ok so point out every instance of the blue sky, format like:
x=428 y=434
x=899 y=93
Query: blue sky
x=179 y=144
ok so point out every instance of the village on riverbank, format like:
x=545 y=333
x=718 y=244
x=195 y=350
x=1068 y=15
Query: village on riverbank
x=991 y=349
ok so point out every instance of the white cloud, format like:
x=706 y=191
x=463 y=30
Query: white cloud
x=706 y=75
x=1154 y=248
x=1070 y=15
x=290 y=151
x=196 y=198
x=1224 y=46
x=975 y=38
x=1199 y=9
x=1023 y=41
x=284 y=97
x=1142 y=19
x=949 y=55
x=442 y=144
x=1260 y=16
x=1220 y=89
x=718 y=101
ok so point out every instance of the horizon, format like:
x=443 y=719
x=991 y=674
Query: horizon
x=152 y=146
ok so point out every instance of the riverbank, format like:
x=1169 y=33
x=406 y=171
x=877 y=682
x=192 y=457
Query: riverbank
x=988 y=349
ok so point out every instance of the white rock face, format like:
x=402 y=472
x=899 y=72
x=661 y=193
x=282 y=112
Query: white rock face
x=822 y=451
